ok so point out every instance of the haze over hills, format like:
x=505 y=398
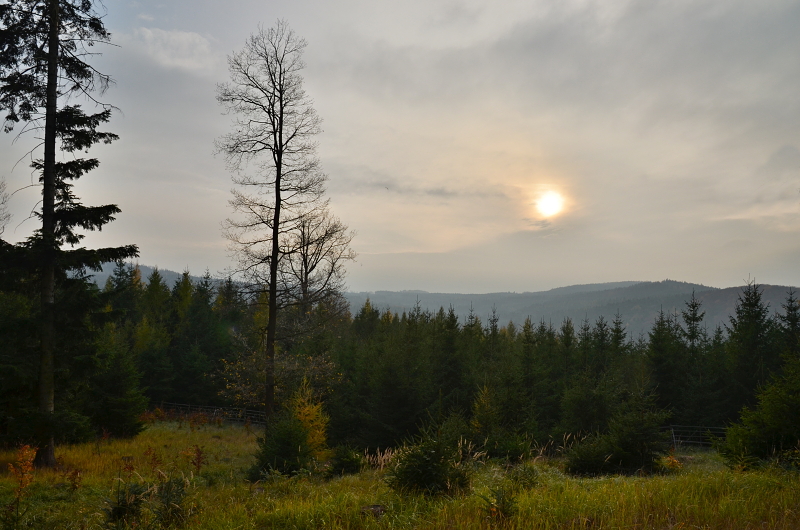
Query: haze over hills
x=638 y=303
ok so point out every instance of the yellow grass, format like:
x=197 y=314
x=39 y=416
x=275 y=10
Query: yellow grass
x=701 y=494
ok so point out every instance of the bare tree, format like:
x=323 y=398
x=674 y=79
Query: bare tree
x=5 y=216
x=272 y=154
x=315 y=254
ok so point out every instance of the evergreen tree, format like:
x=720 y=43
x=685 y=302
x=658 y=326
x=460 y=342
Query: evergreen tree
x=115 y=399
x=668 y=363
x=790 y=327
x=752 y=347
x=43 y=45
x=448 y=366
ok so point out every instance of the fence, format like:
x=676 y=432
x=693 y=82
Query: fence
x=695 y=435
x=236 y=415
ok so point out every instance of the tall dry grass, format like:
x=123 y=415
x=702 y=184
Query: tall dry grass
x=701 y=494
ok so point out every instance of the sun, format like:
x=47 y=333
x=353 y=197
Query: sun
x=550 y=204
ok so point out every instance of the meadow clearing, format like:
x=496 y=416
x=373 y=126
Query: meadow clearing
x=177 y=474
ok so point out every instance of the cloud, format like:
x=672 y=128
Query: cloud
x=181 y=50
x=783 y=162
x=145 y=17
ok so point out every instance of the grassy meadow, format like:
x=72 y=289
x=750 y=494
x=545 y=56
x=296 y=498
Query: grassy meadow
x=208 y=464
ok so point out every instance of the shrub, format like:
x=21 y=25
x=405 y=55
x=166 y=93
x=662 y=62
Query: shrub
x=429 y=465
x=345 y=461
x=65 y=426
x=634 y=441
x=309 y=412
x=772 y=428
x=500 y=505
x=283 y=448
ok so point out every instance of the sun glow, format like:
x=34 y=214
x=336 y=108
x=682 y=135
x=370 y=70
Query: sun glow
x=550 y=204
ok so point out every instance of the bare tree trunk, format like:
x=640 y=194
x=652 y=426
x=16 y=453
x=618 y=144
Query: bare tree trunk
x=45 y=457
x=272 y=322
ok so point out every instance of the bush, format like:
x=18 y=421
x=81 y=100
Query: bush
x=772 y=428
x=345 y=461
x=294 y=438
x=634 y=441
x=284 y=447
x=429 y=465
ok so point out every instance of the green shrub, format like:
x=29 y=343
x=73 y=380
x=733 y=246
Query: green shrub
x=429 y=465
x=283 y=448
x=634 y=441
x=33 y=427
x=508 y=446
x=345 y=461
x=499 y=505
x=772 y=428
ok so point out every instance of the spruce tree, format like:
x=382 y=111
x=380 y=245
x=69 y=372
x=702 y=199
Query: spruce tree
x=790 y=327
x=752 y=347
x=44 y=45
x=667 y=360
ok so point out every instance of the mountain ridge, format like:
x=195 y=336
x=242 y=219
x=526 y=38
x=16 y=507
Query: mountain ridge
x=637 y=302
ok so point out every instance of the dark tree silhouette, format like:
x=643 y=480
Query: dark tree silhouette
x=44 y=46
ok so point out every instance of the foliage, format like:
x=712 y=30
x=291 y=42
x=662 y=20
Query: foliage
x=429 y=465
x=43 y=67
x=294 y=438
x=345 y=461
x=168 y=501
x=124 y=508
x=633 y=442
x=501 y=505
x=309 y=413
x=283 y=448
x=115 y=399
x=772 y=427
x=524 y=475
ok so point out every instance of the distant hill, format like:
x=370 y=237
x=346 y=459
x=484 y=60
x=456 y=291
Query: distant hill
x=170 y=277
x=638 y=303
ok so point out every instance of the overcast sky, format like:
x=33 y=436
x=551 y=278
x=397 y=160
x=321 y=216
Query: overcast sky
x=670 y=128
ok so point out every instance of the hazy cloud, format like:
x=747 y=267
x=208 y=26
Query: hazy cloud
x=183 y=50
x=670 y=128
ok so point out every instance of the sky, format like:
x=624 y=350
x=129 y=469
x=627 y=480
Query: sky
x=669 y=129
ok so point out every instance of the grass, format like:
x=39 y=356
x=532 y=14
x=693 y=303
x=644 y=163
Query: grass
x=702 y=494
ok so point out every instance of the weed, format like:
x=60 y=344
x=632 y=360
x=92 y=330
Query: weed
x=73 y=477
x=153 y=459
x=195 y=456
x=670 y=464
x=379 y=459
x=22 y=472
x=197 y=420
